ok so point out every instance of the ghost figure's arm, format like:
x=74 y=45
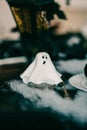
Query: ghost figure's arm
x=26 y=74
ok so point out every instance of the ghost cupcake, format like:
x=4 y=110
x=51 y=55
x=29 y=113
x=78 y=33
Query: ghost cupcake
x=41 y=72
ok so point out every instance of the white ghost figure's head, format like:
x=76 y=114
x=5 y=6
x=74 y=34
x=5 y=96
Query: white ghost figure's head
x=41 y=70
x=42 y=58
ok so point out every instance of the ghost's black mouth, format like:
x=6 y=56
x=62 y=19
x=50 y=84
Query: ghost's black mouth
x=44 y=62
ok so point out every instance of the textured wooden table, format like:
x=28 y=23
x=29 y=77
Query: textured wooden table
x=11 y=71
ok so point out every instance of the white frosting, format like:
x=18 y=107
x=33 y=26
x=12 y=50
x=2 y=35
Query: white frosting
x=41 y=70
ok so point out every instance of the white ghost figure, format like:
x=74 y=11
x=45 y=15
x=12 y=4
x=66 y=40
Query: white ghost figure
x=41 y=70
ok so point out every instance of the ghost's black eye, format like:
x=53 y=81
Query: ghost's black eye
x=46 y=57
x=43 y=57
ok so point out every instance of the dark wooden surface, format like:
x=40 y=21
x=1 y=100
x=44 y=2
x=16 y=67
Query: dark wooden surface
x=11 y=71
